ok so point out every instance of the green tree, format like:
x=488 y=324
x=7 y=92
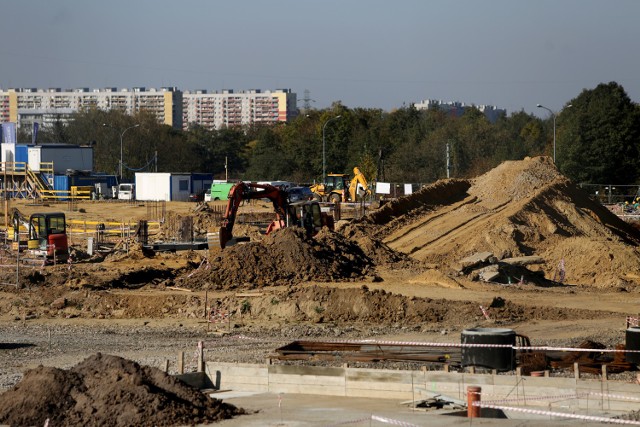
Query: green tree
x=597 y=138
x=268 y=161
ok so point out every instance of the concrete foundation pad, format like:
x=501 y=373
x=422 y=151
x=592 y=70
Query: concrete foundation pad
x=296 y=410
x=287 y=395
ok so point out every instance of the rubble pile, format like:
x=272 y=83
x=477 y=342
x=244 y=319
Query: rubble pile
x=108 y=390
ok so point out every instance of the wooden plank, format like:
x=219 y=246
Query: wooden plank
x=306 y=370
x=306 y=380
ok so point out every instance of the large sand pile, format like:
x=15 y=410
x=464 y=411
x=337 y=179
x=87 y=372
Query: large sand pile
x=108 y=391
x=520 y=208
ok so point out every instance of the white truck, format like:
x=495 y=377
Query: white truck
x=126 y=192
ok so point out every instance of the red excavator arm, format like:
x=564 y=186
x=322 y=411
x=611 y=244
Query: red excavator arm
x=250 y=191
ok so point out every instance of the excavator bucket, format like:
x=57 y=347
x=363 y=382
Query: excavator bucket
x=218 y=240
x=213 y=241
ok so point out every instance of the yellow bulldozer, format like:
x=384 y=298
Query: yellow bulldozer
x=340 y=188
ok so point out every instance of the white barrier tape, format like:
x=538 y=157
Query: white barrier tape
x=392 y=421
x=558 y=414
x=376 y=418
x=617 y=396
x=345 y=423
x=218 y=316
x=588 y=350
x=244 y=337
x=527 y=399
x=458 y=345
x=581 y=395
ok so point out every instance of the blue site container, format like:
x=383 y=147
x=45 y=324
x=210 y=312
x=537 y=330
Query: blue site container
x=22 y=153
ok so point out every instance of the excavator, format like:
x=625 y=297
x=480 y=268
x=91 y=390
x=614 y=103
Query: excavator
x=47 y=234
x=338 y=188
x=306 y=214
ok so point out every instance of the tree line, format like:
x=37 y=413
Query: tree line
x=597 y=138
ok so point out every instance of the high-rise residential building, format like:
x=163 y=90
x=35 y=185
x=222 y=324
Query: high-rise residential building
x=214 y=110
x=169 y=105
x=164 y=103
x=457 y=109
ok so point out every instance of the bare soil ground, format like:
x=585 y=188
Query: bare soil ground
x=398 y=273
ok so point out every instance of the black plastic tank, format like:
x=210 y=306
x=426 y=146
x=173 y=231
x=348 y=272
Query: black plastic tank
x=632 y=342
x=498 y=358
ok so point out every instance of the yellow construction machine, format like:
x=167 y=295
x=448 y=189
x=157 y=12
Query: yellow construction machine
x=339 y=188
x=46 y=233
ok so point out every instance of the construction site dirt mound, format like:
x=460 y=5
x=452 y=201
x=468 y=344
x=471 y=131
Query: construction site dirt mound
x=379 y=252
x=106 y=390
x=520 y=208
x=362 y=305
x=284 y=258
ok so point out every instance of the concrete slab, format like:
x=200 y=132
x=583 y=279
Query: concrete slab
x=297 y=410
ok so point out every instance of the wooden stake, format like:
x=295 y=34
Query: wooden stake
x=181 y=362
x=200 y=356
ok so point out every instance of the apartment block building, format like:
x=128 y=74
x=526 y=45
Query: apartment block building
x=169 y=105
x=228 y=108
x=457 y=109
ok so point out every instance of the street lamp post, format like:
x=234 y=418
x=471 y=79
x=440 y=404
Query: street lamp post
x=324 y=164
x=554 y=129
x=121 y=136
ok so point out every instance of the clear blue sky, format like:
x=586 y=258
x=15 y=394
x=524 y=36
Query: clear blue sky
x=364 y=53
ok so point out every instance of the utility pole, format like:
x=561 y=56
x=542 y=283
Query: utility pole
x=448 y=161
x=324 y=161
x=121 y=145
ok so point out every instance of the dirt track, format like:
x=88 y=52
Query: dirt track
x=397 y=274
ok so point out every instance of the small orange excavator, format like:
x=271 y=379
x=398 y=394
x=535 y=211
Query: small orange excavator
x=306 y=214
x=47 y=234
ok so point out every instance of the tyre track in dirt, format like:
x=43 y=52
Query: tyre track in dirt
x=440 y=232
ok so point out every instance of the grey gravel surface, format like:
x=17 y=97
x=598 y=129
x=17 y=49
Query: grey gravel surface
x=25 y=345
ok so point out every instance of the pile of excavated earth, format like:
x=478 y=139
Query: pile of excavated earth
x=107 y=390
x=290 y=256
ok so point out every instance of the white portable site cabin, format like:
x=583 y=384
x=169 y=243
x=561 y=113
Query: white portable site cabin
x=163 y=186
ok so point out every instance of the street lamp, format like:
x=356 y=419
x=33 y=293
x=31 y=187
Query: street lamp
x=324 y=164
x=121 y=135
x=554 y=129
x=554 y=126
